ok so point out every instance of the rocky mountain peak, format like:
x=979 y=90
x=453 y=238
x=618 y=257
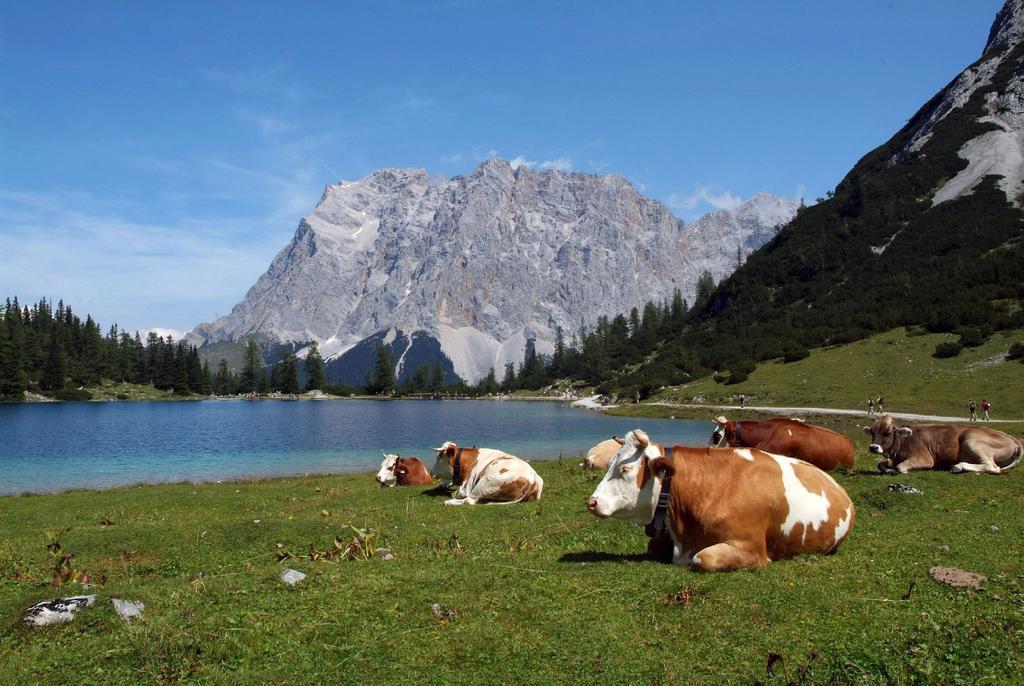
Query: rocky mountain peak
x=472 y=268
x=1008 y=27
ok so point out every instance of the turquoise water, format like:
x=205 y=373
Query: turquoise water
x=48 y=447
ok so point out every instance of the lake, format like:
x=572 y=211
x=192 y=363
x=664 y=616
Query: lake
x=47 y=447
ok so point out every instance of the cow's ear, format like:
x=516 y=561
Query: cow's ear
x=904 y=431
x=662 y=467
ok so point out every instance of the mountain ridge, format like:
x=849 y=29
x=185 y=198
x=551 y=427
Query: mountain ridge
x=482 y=263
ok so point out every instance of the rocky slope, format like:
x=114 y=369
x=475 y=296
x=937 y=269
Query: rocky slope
x=925 y=230
x=469 y=269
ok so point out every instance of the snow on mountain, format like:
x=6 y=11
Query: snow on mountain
x=475 y=266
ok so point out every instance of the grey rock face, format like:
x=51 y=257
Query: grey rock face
x=1000 y=151
x=484 y=262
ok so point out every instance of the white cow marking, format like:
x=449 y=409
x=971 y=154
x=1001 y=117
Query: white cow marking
x=805 y=507
x=744 y=453
x=843 y=527
x=789 y=432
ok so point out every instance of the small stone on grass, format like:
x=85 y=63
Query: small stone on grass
x=957 y=578
x=128 y=609
x=292 y=577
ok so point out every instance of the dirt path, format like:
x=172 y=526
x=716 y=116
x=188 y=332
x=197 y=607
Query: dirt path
x=831 y=410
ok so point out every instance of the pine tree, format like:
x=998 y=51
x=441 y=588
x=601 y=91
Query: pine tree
x=421 y=378
x=508 y=382
x=437 y=378
x=315 y=377
x=289 y=373
x=222 y=383
x=205 y=380
x=53 y=372
x=181 y=366
x=252 y=369
x=382 y=380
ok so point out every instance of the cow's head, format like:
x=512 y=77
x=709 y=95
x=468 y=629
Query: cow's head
x=723 y=433
x=630 y=487
x=401 y=468
x=386 y=475
x=886 y=437
x=444 y=465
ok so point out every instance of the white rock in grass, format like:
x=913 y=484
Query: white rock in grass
x=56 y=611
x=292 y=577
x=127 y=609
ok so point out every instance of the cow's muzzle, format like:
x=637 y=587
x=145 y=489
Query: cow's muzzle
x=875 y=448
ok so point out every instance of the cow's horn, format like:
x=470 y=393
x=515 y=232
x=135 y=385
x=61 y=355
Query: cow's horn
x=438 y=450
x=641 y=438
x=618 y=440
x=720 y=420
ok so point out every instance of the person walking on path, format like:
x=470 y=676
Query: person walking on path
x=974 y=411
x=871 y=407
x=743 y=400
x=878 y=405
x=984 y=410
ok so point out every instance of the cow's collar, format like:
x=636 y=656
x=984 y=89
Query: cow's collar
x=890 y=454
x=736 y=435
x=656 y=527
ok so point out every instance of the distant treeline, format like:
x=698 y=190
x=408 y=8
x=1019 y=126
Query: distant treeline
x=55 y=353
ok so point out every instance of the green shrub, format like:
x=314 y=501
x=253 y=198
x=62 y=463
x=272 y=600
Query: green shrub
x=795 y=353
x=72 y=394
x=947 y=349
x=972 y=338
x=1016 y=351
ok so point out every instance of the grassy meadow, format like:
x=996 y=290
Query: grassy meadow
x=544 y=592
x=897 y=365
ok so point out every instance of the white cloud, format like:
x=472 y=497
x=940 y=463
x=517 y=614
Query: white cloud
x=801 y=192
x=521 y=161
x=266 y=124
x=451 y=159
x=704 y=195
x=559 y=163
x=163 y=333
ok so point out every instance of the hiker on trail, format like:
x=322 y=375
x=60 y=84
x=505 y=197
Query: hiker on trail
x=743 y=400
x=984 y=409
x=871 y=407
x=878 y=404
x=974 y=411
x=636 y=397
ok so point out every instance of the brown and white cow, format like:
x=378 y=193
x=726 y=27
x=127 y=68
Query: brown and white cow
x=598 y=456
x=728 y=508
x=957 y=448
x=485 y=475
x=822 y=447
x=396 y=470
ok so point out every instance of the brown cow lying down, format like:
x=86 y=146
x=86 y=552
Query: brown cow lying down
x=822 y=447
x=728 y=508
x=957 y=448
x=403 y=471
x=598 y=456
x=485 y=475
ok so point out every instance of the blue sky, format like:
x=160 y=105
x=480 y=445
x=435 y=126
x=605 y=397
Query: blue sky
x=155 y=156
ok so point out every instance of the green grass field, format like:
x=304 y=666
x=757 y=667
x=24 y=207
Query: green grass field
x=544 y=592
x=896 y=365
